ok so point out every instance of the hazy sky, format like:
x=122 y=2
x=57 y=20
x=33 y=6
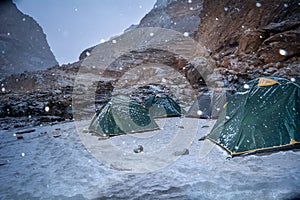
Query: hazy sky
x=74 y=25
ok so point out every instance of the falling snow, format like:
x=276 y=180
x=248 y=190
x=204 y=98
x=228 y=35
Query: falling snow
x=102 y=41
x=246 y=86
x=282 y=52
x=114 y=41
x=186 y=34
x=199 y=112
x=226 y=9
x=286 y=5
x=258 y=4
x=190 y=1
x=22 y=154
x=3 y=89
x=47 y=108
x=293 y=79
x=151 y=34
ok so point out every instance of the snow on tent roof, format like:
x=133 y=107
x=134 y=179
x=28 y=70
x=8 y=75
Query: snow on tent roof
x=263 y=116
x=122 y=115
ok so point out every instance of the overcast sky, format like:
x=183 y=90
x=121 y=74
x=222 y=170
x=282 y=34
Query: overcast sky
x=74 y=25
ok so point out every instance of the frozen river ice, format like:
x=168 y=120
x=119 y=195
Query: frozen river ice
x=57 y=165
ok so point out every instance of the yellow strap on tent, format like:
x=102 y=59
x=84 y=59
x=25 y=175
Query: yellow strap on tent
x=293 y=141
x=266 y=82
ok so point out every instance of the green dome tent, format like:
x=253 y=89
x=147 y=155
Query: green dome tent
x=161 y=105
x=264 y=115
x=122 y=115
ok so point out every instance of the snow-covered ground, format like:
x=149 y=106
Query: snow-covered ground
x=61 y=161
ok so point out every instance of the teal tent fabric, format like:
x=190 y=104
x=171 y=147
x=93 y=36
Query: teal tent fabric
x=260 y=118
x=161 y=105
x=122 y=115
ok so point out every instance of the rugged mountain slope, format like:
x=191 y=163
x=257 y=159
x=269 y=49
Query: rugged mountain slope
x=243 y=40
x=182 y=16
x=252 y=38
x=23 y=45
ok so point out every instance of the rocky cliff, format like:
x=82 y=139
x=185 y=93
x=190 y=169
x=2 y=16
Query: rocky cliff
x=180 y=47
x=182 y=16
x=23 y=45
x=247 y=39
x=252 y=38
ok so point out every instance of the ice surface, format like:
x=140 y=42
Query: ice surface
x=62 y=167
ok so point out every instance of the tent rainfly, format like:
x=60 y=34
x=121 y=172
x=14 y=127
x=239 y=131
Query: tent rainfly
x=122 y=115
x=208 y=105
x=161 y=105
x=264 y=115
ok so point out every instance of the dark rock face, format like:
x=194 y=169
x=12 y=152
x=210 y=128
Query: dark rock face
x=23 y=45
x=246 y=39
x=249 y=39
x=182 y=16
x=46 y=94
